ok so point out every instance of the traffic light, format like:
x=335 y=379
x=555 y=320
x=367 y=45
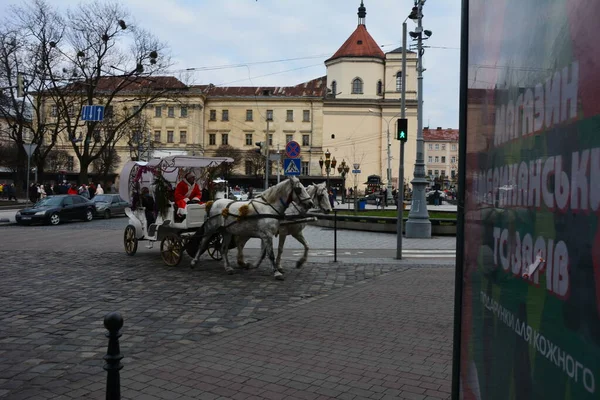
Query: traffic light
x=402 y=133
x=261 y=147
x=20 y=85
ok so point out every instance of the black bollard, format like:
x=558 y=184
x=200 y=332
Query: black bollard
x=113 y=322
x=334 y=235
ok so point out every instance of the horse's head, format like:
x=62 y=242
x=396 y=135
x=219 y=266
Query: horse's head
x=299 y=193
x=320 y=197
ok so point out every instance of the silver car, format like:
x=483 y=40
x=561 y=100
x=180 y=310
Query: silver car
x=110 y=205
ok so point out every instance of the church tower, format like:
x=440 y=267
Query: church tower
x=362 y=106
x=356 y=70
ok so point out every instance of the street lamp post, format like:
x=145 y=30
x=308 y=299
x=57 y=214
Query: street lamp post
x=329 y=164
x=343 y=170
x=355 y=172
x=418 y=224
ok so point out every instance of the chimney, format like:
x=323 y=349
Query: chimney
x=439 y=128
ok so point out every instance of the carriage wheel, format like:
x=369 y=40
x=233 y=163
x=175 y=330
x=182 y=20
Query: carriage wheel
x=214 y=247
x=171 y=249
x=130 y=240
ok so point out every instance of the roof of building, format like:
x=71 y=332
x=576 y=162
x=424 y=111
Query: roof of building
x=440 y=135
x=133 y=83
x=313 y=88
x=359 y=44
x=399 y=50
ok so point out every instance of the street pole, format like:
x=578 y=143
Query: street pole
x=389 y=198
x=400 y=219
x=28 y=171
x=267 y=155
x=418 y=224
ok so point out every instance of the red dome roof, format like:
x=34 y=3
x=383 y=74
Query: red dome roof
x=359 y=44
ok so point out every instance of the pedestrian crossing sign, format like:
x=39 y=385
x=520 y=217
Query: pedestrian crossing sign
x=291 y=166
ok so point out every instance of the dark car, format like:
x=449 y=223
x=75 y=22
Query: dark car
x=109 y=205
x=55 y=209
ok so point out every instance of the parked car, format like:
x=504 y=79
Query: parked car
x=56 y=209
x=110 y=205
x=238 y=195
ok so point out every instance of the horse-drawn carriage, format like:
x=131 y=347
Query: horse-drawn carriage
x=214 y=227
x=175 y=234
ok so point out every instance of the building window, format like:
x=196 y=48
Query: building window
x=305 y=140
x=437 y=172
x=135 y=109
x=289 y=117
x=379 y=88
x=430 y=159
x=171 y=112
x=437 y=159
x=453 y=147
x=437 y=146
x=429 y=172
x=170 y=138
x=213 y=115
x=70 y=163
x=399 y=81
x=158 y=111
x=183 y=113
x=306 y=116
x=212 y=139
x=109 y=111
x=249 y=115
x=304 y=170
x=443 y=147
x=54 y=111
x=453 y=159
x=453 y=174
x=157 y=136
x=288 y=138
x=248 y=167
x=357 y=86
x=270 y=139
x=334 y=88
x=225 y=139
x=430 y=146
x=443 y=159
x=269 y=115
x=225 y=115
x=248 y=139
x=182 y=137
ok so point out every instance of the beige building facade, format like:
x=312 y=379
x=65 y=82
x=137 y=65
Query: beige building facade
x=441 y=154
x=352 y=112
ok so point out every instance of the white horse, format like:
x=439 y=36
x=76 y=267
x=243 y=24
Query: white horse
x=258 y=218
x=320 y=198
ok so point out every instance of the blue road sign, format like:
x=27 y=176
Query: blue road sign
x=292 y=149
x=92 y=113
x=291 y=166
x=356 y=171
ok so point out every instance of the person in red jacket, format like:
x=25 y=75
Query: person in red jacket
x=185 y=191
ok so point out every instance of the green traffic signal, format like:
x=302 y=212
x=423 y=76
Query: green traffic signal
x=402 y=133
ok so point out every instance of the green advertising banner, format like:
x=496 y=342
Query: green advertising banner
x=530 y=297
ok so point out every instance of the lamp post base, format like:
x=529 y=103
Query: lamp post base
x=418 y=224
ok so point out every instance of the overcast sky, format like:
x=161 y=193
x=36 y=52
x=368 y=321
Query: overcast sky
x=206 y=33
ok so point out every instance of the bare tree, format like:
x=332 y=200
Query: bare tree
x=106 y=164
x=95 y=68
x=25 y=38
x=56 y=161
x=256 y=161
x=9 y=156
x=226 y=169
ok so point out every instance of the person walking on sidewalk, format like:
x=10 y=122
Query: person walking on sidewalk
x=10 y=191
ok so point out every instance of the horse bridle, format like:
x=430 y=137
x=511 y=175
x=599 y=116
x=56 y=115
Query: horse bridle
x=297 y=191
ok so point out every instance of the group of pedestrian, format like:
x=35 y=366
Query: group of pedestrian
x=8 y=191
x=38 y=191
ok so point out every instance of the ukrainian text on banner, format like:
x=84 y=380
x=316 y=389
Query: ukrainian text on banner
x=531 y=282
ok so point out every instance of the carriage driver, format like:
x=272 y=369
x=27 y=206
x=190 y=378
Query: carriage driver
x=185 y=191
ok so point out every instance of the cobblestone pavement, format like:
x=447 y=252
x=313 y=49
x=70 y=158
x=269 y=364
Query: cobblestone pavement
x=330 y=330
